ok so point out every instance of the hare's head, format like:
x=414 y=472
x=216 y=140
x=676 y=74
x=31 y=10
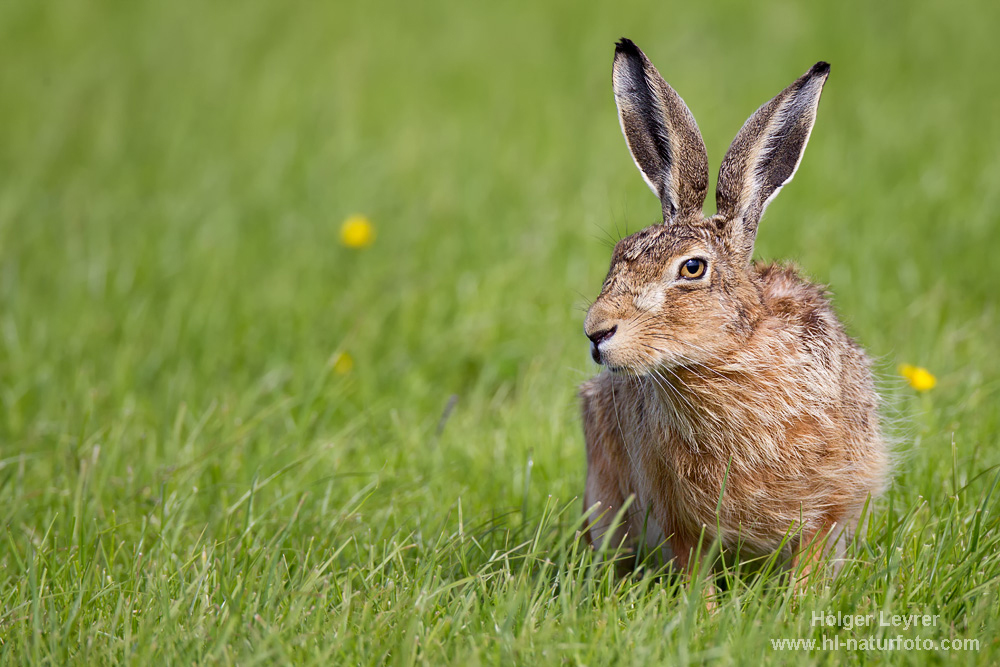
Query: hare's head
x=683 y=291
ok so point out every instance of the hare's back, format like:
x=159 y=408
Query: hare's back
x=840 y=370
x=789 y=296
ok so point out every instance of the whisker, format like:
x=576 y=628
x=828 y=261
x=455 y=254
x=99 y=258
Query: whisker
x=678 y=391
x=621 y=431
x=656 y=335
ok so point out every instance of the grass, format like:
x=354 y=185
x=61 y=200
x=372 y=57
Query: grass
x=188 y=476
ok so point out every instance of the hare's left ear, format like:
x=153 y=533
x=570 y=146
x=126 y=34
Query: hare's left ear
x=661 y=133
x=764 y=157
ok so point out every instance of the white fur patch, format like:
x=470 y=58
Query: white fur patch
x=650 y=299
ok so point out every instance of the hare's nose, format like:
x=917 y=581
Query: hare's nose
x=597 y=338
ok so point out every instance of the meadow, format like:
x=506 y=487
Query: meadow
x=226 y=437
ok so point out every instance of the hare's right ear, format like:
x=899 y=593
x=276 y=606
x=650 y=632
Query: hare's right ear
x=661 y=133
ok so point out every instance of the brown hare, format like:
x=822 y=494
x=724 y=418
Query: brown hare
x=732 y=404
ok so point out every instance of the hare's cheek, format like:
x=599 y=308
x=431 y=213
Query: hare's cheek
x=649 y=300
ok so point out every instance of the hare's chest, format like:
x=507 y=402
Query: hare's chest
x=719 y=495
x=680 y=488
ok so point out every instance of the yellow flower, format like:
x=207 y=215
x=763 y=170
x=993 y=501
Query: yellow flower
x=920 y=379
x=342 y=363
x=357 y=232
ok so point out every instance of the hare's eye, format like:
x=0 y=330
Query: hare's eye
x=693 y=268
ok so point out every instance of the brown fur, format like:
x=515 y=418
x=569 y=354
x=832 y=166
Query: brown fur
x=733 y=406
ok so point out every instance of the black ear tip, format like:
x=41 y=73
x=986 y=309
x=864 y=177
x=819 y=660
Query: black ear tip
x=626 y=46
x=820 y=68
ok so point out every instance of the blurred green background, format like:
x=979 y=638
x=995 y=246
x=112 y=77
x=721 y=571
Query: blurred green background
x=174 y=293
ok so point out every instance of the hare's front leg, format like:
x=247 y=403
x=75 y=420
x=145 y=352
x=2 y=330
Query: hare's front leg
x=607 y=475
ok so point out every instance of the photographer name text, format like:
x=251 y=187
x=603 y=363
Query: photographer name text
x=905 y=621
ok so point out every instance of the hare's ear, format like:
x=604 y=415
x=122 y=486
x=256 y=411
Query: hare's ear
x=661 y=133
x=765 y=155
